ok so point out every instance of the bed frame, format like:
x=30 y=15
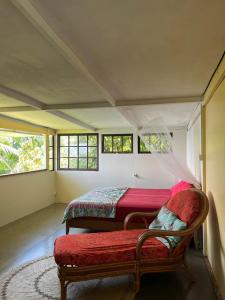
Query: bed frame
x=98 y=224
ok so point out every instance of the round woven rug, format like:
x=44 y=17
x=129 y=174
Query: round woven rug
x=38 y=280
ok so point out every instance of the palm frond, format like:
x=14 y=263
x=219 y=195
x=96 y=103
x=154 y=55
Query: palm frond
x=6 y=149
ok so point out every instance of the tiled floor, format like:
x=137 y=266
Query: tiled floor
x=33 y=237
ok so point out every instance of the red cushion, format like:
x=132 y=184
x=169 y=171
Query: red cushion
x=185 y=205
x=180 y=186
x=105 y=247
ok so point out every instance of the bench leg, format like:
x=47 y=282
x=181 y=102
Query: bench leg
x=63 y=289
x=67 y=228
x=137 y=282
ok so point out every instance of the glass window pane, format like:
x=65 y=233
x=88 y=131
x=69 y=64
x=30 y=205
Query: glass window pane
x=82 y=163
x=92 y=151
x=50 y=140
x=50 y=152
x=127 y=144
x=21 y=153
x=63 y=163
x=73 y=162
x=63 y=140
x=50 y=164
x=63 y=151
x=92 y=163
x=117 y=144
x=82 y=151
x=144 y=147
x=92 y=140
x=107 y=144
x=82 y=140
x=73 y=152
x=73 y=140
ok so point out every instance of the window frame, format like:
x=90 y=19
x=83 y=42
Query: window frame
x=148 y=152
x=116 y=135
x=77 y=134
x=53 y=152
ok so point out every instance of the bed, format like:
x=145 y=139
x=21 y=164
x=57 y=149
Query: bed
x=111 y=217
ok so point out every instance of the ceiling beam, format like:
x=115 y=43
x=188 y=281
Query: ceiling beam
x=165 y=100
x=17 y=125
x=49 y=107
x=16 y=109
x=78 y=105
x=29 y=11
x=103 y=104
x=72 y=120
x=21 y=97
x=39 y=106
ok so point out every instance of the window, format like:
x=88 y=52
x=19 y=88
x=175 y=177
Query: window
x=78 y=152
x=160 y=145
x=117 y=143
x=51 y=148
x=21 y=153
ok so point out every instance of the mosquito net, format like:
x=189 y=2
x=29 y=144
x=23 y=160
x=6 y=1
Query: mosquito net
x=157 y=139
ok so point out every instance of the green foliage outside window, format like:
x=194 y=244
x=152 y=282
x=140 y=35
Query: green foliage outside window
x=20 y=154
x=154 y=143
x=117 y=143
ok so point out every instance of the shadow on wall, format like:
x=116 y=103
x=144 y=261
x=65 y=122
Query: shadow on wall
x=215 y=247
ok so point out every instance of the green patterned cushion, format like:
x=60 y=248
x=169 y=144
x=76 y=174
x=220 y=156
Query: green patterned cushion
x=167 y=220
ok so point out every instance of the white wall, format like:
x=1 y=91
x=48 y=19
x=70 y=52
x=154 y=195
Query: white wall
x=24 y=194
x=194 y=145
x=118 y=170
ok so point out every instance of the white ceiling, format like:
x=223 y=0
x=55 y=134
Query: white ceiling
x=118 y=50
x=143 y=49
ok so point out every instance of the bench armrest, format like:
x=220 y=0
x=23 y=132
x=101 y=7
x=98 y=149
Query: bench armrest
x=141 y=215
x=151 y=233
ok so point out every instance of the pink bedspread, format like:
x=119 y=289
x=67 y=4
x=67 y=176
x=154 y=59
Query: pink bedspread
x=141 y=200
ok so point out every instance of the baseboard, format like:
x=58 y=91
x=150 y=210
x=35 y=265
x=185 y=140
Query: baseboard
x=212 y=278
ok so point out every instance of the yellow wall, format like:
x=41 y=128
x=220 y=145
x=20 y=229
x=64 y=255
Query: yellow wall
x=24 y=194
x=215 y=174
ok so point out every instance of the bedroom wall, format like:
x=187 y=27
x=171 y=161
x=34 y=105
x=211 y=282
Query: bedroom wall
x=118 y=170
x=215 y=174
x=194 y=148
x=24 y=194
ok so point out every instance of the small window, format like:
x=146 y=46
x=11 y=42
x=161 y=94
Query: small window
x=51 y=157
x=21 y=152
x=117 y=143
x=159 y=144
x=78 y=152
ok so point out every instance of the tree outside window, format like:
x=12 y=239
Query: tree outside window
x=21 y=153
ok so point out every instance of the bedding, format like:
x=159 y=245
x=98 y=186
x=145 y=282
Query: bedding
x=100 y=202
x=180 y=186
x=116 y=203
x=141 y=200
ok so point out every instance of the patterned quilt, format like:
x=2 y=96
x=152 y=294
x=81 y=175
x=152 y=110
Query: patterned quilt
x=100 y=202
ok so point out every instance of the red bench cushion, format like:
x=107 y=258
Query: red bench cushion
x=185 y=205
x=105 y=247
